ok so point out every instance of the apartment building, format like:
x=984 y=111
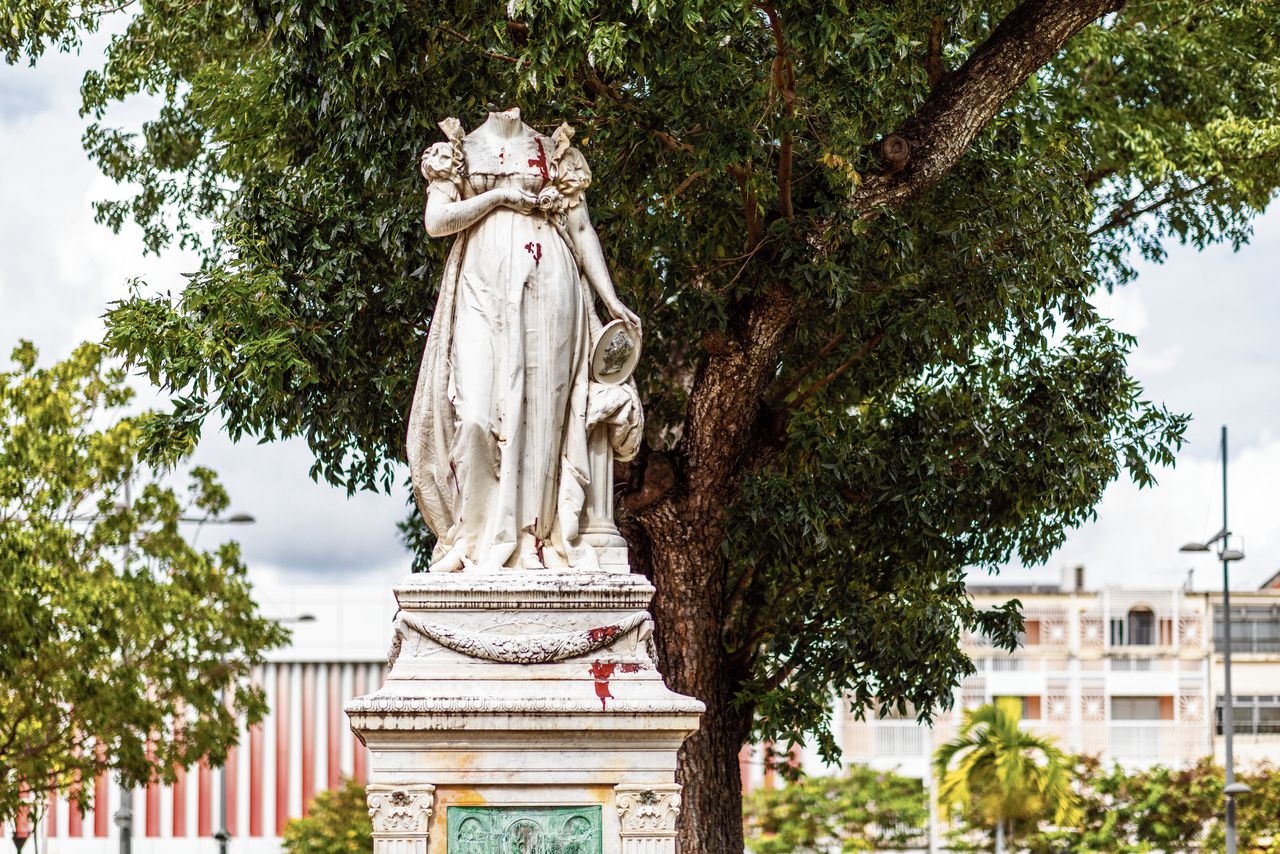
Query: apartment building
x=1255 y=672
x=1130 y=676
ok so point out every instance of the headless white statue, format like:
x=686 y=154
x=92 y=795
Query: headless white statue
x=511 y=440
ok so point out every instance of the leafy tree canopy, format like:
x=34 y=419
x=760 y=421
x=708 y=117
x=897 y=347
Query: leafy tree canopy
x=1165 y=809
x=863 y=237
x=125 y=648
x=862 y=810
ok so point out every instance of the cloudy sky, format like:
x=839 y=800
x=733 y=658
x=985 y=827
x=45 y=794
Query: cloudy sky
x=1206 y=323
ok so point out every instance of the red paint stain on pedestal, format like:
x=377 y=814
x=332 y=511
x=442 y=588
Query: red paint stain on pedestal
x=601 y=671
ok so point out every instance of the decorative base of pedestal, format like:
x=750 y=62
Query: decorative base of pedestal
x=523 y=706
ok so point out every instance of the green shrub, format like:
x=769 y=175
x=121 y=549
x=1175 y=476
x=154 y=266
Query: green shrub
x=337 y=823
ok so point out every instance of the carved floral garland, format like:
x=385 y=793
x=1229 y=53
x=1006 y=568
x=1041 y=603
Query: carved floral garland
x=527 y=649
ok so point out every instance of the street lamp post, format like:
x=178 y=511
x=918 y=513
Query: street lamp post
x=223 y=836
x=20 y=834
x=124 y=815
x=1231 y=789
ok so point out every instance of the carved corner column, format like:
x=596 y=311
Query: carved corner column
x=401 y=817
x=647 y=814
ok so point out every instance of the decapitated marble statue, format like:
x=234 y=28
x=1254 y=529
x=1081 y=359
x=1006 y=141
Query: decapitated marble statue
x=524 y=397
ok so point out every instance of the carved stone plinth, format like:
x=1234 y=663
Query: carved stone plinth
x=516 y=694
x=401 y=817
x=648 y=816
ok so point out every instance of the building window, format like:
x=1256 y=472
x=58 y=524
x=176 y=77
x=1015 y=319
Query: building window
x=1030 y=634
x=1142 y=627
x=1253 y=714
x=1028 y=707
x=1254 y=628
x=1140 y=708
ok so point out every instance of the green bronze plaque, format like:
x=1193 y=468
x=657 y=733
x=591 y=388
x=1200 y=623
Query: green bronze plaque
x=525 y=830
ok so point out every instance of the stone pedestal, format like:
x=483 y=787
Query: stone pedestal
x=523 y=711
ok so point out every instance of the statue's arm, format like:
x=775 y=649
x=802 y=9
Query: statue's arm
x=444 y=216
x=591 y=256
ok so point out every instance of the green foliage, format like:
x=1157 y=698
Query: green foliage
x=1164 y=809
x=337 y=822
x=994 y=772
x=945 y=397
x=863 y=810
x=125 y=648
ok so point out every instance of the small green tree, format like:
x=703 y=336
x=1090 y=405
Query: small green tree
x=125 y=648
x=337 y=822
x=1000 y=775
x=862 y=810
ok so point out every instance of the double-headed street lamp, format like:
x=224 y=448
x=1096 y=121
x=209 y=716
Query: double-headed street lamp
x=1227 y=555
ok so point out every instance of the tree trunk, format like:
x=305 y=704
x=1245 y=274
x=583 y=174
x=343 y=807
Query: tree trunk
x=689 y=573
x=1000 y=836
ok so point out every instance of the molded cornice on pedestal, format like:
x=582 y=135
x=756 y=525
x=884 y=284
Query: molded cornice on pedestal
x=538 y=590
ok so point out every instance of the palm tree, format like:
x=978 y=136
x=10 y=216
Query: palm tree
x=1004 y=774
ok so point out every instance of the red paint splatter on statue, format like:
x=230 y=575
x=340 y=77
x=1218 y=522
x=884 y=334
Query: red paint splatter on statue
x=502 y=155
x=600 y=672
x=541 y=162
x=602 y=634
x=534 y=249
x=538 y=544
x=630 y=667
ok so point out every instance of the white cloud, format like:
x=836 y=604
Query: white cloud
x=1206 y=327
x=1135 y=540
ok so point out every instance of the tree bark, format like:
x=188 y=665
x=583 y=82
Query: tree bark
x=689 y=573
x=681 y=508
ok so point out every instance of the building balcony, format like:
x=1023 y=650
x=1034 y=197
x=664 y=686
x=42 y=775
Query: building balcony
x=1135 y=743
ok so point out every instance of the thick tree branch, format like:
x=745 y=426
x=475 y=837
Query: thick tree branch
x=933 y=66
x=784 y=80
x=727 y=394
x=926 y=146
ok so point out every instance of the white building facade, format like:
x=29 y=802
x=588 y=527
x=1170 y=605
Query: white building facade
x=1129 y=676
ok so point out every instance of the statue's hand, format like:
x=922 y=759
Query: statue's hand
x=551 y=200
x=618 y=311
x=516 y=199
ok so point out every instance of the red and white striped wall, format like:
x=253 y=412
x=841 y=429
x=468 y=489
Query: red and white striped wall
x=303 y=746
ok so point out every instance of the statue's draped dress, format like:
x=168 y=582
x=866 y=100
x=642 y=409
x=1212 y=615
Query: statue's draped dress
x=497 y=439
